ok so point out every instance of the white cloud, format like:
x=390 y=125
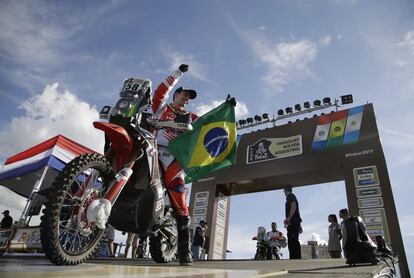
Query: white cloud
x=54 y=111
x=407 y=226
x=175 y=58
x=240 y=242
x=37 y=38
x=396 y=52
x=262 y=27
x=402 y=52
x=408 y=41
x=407 y=230
x=346 y=2
x=12 y=202
x=241 y=108
x=325 y=41
x=313 y=230
x=10 y=97
x=286 y=61
x=398 y=134
x=34 y=32
x=401 y=145
x=316 y=237
x=400 y=63
x=27 y=37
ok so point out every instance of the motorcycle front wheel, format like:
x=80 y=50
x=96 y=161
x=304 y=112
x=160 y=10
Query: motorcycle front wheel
x=66 y=235
x=260 y=253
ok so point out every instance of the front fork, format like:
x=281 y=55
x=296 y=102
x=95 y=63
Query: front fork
x=119 y=182
x=99 y=210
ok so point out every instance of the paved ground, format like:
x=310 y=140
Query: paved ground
x=40 y=267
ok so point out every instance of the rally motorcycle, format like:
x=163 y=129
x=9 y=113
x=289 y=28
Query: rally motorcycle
x=123 y=188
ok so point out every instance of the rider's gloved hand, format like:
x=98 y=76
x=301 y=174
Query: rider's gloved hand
x=183 y=68
x=231 y=100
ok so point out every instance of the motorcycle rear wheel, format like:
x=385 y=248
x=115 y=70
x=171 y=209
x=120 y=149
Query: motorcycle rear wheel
x=163 y=249
x=66 y=235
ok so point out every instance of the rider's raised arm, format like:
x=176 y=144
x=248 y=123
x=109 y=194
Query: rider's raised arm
x=164 y=88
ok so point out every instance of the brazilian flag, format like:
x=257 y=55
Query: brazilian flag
x=210 y=146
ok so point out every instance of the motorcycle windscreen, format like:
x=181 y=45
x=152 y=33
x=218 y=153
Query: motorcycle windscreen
x=131 y=98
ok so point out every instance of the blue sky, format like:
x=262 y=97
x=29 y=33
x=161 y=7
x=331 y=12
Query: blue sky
x=61 y=62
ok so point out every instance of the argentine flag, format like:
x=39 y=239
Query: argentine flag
x=353 y=125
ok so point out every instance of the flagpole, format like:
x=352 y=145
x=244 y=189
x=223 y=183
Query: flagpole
x=23 y=218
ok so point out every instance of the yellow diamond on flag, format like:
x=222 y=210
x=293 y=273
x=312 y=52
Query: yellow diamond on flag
x=214 y=143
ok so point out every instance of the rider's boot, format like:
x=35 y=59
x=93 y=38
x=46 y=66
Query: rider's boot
x=184 y=244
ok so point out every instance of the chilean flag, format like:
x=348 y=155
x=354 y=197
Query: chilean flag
x=21 y=171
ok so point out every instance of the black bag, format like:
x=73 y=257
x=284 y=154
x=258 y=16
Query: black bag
x=358 y=249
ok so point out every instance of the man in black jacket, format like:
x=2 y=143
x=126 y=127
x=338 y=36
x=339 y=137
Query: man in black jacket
x=199 y=239
x=7 y=220
x=292 y=223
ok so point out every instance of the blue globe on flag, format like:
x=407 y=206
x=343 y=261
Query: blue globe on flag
x=216 y=141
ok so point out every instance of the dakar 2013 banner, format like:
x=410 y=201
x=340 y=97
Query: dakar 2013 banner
x=274 y=148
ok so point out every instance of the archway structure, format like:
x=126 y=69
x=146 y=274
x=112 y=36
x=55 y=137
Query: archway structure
x=341 y=145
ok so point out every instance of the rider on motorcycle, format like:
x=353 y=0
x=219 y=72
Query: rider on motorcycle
x=173 y=120
x=276 y=242
x=262 y=243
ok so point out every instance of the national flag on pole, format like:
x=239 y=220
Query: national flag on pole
x=210 y=146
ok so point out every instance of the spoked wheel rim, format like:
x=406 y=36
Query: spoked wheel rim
x=75 y=233
x=167 y=245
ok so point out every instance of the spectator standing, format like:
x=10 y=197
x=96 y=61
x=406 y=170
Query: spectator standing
x=292 y=223
x=132 y=239
x=335 y=235
x=7 y=220
x=142 y=247
x=199 y=239
x=110 y=236
x=344 y=215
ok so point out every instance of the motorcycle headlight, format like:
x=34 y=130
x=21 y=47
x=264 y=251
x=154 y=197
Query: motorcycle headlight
x=123 y=103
